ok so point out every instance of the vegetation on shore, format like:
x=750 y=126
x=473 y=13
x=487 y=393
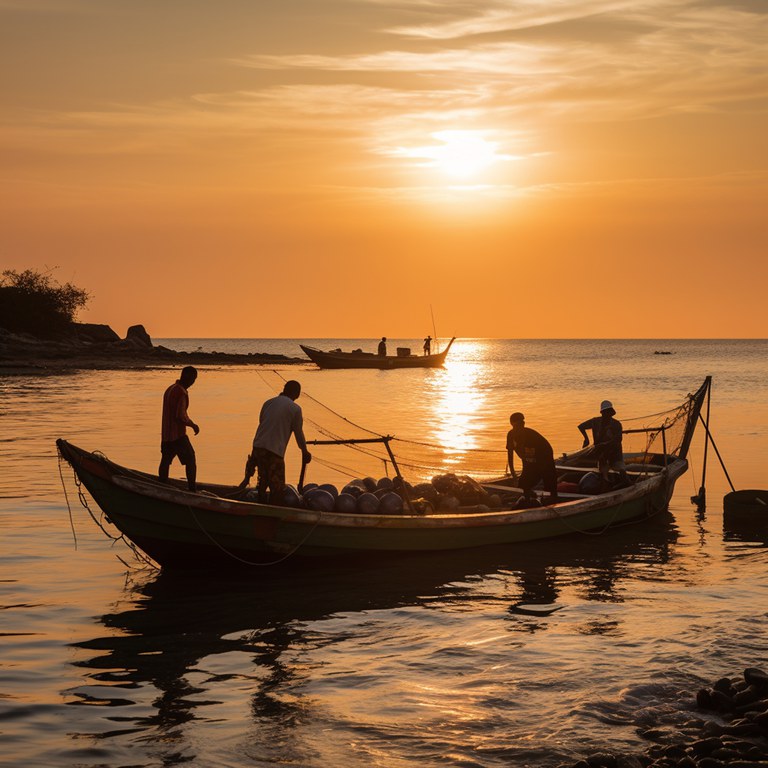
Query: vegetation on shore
x=34 y=302
x=39 y=331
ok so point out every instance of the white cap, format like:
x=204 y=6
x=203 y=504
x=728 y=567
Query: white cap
x=605 y=405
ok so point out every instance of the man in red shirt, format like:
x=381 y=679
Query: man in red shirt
x=174 y=439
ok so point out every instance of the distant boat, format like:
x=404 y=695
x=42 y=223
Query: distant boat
x=219 y=526
x=359 y=359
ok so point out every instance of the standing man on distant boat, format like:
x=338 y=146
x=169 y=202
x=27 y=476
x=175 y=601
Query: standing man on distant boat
x=427 y=345
x=383 y=347
x=606 y=436
x=537 y=456
x=280 y=417
x=174 y=440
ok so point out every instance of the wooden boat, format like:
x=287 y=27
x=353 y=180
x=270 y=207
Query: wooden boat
x=216 y=527
x=338 y=359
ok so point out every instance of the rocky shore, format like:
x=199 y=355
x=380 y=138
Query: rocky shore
x=729 y=730
x=93 y=346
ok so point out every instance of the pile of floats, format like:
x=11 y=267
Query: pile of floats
x=388 y=496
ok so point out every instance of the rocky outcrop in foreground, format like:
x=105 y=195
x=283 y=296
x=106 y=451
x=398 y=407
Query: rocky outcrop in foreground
x=730 y=732
x=89 y=345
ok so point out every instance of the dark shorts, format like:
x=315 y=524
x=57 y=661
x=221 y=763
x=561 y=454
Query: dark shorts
x=270 y=466
x=609 y=455
x=181 y=448
x=544 y=472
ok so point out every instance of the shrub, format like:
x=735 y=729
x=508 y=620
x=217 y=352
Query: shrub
x=33 y=302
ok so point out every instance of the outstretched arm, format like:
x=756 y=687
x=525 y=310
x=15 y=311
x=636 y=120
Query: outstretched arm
x=301 y=441
x=250 y=468
x=511 y=462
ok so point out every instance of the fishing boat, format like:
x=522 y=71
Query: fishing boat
x=218 y=526
x=359 y=359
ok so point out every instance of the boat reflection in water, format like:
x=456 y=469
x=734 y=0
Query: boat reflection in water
x=291 y=649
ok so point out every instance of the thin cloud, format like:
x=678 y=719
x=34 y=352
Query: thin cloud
x=511 y=15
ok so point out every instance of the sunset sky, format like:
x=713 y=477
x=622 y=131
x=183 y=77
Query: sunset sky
x=316 y=168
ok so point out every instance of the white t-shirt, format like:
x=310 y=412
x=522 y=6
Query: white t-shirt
x=280 y=416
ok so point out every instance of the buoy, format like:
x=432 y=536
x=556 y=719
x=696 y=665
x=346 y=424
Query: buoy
x=749 y=503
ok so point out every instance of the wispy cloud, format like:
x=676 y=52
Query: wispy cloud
x=457 y=20
x=462 y=66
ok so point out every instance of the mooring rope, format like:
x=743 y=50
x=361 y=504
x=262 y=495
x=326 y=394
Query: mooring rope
x=249 y=562
x=140 y=556
x=66 y=497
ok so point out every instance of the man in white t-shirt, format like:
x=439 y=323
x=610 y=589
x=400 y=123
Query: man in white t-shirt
x=280 y=417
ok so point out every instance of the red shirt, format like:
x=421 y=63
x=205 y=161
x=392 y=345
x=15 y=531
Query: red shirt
x=175 y=419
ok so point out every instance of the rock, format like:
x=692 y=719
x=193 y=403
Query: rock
x=602 y=760
x=94 y=332
x=750 y=694
x=137 y=334
x=721 y=701
x=628 y=761
x=724 y=686
x=757 y=677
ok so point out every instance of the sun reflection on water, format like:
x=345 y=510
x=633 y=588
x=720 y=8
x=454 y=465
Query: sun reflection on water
x=459 y=405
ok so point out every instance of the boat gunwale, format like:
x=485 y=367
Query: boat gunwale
x=242 y=508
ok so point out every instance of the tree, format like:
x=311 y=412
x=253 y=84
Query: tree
x=34 y=302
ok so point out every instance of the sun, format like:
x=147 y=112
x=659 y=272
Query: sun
x=463 y=153
x=457 y=153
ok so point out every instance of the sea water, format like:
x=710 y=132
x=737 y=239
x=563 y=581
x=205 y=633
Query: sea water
x=421 y=660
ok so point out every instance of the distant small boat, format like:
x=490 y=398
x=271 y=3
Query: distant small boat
x=359 y=359
x=661 y=352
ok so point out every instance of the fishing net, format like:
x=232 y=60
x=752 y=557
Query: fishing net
x=420 y=460
x=667 y=432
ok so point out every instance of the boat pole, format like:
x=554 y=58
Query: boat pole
x=700 y=500
x=403 y=486
x=720 y=458
x=301 y=474
x=434 y=330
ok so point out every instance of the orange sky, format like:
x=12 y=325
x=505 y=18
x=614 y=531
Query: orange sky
x=304 y=168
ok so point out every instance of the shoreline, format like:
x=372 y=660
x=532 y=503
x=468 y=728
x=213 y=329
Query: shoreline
x=726 y=726
x=21 y=354
x=43 y=364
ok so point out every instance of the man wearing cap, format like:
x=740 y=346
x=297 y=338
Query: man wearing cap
x=537 y=456
x=606 y=437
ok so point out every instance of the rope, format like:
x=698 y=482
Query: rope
x=330 y=410
x=137 y=553
x=249 y=562
x=66 y=497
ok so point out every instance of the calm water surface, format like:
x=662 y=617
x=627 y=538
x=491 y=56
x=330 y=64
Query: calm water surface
x=416 y=660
